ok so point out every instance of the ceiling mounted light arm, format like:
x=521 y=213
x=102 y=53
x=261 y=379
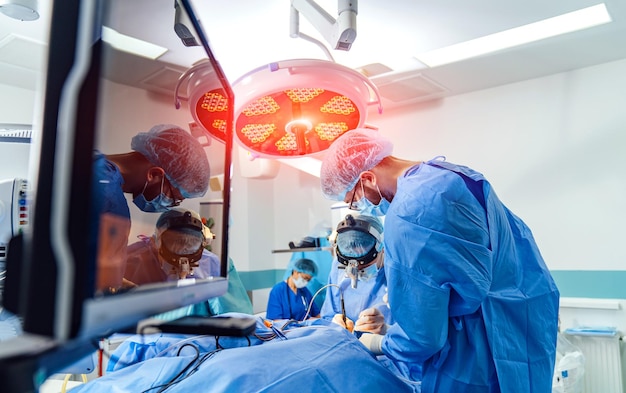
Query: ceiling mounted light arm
x=294 y=32
x=340 y=33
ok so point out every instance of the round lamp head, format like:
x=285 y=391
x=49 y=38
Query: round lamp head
x=296 y=108
x=208 y=101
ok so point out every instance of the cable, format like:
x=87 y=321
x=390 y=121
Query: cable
x=172 y=381
x=318 y=43
x=317 y=293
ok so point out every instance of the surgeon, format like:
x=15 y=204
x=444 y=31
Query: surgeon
x=468 y=288
x=166 y=166
x=291 y=299
x=177 y=251
x=357 y=279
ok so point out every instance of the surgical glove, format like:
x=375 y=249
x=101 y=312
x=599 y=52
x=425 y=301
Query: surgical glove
x=371 y=320
x=373 y=342
x=338 y=319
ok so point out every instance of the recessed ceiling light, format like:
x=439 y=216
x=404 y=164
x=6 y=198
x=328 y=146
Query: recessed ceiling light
x=566 y=23
x=132 y=45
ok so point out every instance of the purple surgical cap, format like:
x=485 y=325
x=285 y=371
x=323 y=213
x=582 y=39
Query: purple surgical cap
x=354 y=152
x=180 y=155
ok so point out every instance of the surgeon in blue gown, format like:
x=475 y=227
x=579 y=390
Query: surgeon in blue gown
x=357 y=277
x=165 y=166
x=468 y=288
x=177 y=251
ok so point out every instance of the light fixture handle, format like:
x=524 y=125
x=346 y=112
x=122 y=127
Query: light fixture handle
x=185 y=75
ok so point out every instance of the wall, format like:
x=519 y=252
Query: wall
x=553 y=149
x=17 y=106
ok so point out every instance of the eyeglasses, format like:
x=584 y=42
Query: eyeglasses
x=173 y=194
x=352 y=205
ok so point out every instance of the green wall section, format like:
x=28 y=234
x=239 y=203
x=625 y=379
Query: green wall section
x=600 y=284
x=260 y=279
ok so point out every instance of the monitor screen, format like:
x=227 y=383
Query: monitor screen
x=57 y=281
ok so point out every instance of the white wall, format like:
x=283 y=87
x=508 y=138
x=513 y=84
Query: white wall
x=554 y=149
x=17 y=106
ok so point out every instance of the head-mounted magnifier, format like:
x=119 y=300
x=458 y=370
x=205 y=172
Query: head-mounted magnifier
x=351 y=223
x=184 y=225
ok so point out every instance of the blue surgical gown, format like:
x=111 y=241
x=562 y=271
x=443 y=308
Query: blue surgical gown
x=366 y=294
x=143 y=266
x=110 y=223
x=284 y=304
x=471 y=295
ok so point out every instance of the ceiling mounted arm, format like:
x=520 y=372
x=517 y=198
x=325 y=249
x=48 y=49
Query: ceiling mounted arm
x=340 y=33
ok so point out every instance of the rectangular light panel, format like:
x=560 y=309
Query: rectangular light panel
x=566 y=23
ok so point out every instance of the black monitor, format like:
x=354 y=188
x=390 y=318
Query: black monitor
x=51 y=269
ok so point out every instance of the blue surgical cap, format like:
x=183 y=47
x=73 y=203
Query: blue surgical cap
x=353 y=243
x=347 y=157
x=305 y=266
x=180 y=155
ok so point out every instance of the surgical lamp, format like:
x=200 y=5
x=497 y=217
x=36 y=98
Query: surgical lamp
x=208 y=101
x=295 y=108
x=286 y=109
x=290 y=108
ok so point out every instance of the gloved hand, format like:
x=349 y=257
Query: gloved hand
x=371 y=320
x=373 y=342
x=338 y=319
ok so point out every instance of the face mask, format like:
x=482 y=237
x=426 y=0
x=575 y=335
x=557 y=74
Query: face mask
x=369 y=272
x=161 y=203
x=375 y=210
x=300 y=282
x=365 y=206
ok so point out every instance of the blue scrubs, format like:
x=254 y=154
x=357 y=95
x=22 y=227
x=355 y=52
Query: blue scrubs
x=284 y=304
x=144 y=266
x=323 y=259
x=471 y=295
x=110 y=223
x=366 y=294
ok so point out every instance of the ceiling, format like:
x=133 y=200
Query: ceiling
x=246 y=34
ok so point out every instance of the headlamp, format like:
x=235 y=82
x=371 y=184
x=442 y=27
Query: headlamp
x=182 y=224
x=354 y=224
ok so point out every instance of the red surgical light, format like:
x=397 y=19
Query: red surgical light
x=296 y=108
